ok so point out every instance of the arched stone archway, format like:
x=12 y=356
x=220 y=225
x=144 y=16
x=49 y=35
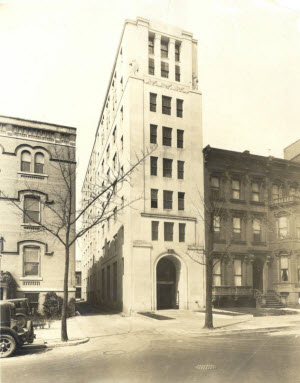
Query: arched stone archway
x=170 y=283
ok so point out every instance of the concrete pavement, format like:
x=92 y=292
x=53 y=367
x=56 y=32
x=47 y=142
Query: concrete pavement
x=182 y=323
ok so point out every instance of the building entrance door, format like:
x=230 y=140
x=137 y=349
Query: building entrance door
x=258 y=267
x=166 y=284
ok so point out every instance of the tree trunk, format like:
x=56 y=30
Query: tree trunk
x=64 y=334
x=208 y=312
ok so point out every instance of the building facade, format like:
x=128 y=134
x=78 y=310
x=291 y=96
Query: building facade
x=30 y=187
x=144 y=257
x=256 y=230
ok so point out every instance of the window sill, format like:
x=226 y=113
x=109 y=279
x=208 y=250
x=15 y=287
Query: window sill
x=32 y=278
x=238 y=242
x=219 y=241
x=237 y=200
x=257 y=203
x=31 y=226
x=39 y=176
x=259 y=244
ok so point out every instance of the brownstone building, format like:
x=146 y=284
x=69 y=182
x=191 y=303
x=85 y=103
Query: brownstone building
x=32 y=260
x=256 y=226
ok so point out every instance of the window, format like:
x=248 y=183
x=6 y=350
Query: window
x=153 y=134
x=276 y=192
x=177 y=52
x=298 y=226
x=25 y=161
x=164 y=69
x=180 y=170
x=237 y=265
x=39 y=163
x=282 y=223
x=236 y=222
x=151 y=45
x=167 y=136
x=115 y=211
x=180 y=138
x=154 y=198
x=167 y=167
x=216 y=272
x=154 y=229
x=166 y=105
x=168 y=231
x=164 y=48
x=217 y=227
x=153 y=102
x=115 y=281
x=179 y=107
x=33 y=300
x=31 y=209
x=177 y=73
x=108 y=282
x=182 y=232
x=215 y=187
x=256 y=226
x=114 y=134
x=115 y=160
x=284 y=269
x=122 y=143
x=153 y=166
x=180 y=201
x=255 y=191
x=168 y=199
x=236 y=190
x=107 y=151
x=151 y=66
x=31 y=261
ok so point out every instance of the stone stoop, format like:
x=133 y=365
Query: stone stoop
x=273 y=301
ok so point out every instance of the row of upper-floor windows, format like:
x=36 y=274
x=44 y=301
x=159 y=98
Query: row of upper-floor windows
x=256 y=189
x=238 y=277
x=238 y=227
x=167 y=167
x=164 y=69
x=166 y=136
x=168 y=231
x=164 y=47
x=167 y=199
x=166 y=105
x=32 y=164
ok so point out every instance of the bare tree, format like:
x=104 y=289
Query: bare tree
x=65 y=223
x=210 y=212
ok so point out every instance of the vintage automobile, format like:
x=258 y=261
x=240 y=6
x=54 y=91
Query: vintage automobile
x=12 y=336
x=22 y=310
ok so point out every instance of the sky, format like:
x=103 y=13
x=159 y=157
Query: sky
x=56 y=58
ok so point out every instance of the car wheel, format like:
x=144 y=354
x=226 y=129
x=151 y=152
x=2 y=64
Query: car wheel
x=7 y=345
x=21 y=321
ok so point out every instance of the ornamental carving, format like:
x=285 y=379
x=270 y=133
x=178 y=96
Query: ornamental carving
x=195 y=81
x=167 y=85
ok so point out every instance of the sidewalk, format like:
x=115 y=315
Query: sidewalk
x=82 y=328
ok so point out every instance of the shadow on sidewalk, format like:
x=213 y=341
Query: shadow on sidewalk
x=85 y=309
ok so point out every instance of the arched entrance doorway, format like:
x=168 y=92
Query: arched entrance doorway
x=166 y=284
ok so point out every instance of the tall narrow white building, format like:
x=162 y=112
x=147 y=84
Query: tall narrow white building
x=143 y=258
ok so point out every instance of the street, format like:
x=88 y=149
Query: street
x=149 y=356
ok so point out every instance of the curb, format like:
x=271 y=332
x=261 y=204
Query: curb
x=50 y=344
x=245 y=331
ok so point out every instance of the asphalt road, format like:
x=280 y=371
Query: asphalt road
x=149 y=357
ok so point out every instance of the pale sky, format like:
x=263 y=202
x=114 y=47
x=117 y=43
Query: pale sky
x=57 y=56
